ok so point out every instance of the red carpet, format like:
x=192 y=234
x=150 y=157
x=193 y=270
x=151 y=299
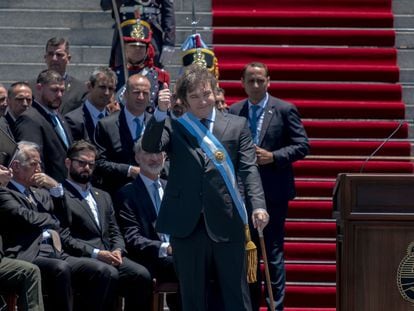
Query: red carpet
x=336 y=61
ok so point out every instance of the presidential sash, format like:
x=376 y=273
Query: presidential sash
x=218 y=155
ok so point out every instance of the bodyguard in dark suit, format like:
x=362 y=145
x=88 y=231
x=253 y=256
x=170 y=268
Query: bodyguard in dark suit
x=31 y=233
x=280 y=139
x=82 y=121
x=198 y=210
x=57 y=57
x=44 y=125
x=91 y=230
x=116 y=134
x=19 y=100
x=137 y=205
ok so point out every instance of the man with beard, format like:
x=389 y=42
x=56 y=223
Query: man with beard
x=44 y=125
x=138 y=204
x=82 y=121
x=90 y=228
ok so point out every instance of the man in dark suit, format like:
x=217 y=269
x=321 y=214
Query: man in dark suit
x=19 y=100
x=91 y=230
x=101 y=87
x=137 y=205
x=116 y=134
x=31 y=233
x=22 y=278
x=280 y=139
x=203 y=214
x=17 y=276
x=57 y=57
x=3 y=99
x=44 y=125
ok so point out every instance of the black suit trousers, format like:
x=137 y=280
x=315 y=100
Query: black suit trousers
x=197 y=258
x=91 y=280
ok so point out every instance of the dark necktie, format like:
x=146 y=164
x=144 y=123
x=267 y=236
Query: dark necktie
x=156 y=195
x=101 y=115
x=29 y=196
x=253 y=122
x=205 y=122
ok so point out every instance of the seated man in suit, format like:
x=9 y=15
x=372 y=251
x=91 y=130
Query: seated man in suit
x=137 y=204
x=116 y=134
x=17 y=276
x=91 y=230
x=82 y=121
x=31 y=233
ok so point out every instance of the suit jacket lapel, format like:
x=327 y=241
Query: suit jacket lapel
x=244 y=111
x=268 y=115
x=124 y=131
x=193 y=146
x=142 y=193
x=220 y=125
x=75 y=196
x=90 y=128
x=99 y=203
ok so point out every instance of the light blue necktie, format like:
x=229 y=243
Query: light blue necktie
x=253 y=122
x=59 y=129
x=138 y=129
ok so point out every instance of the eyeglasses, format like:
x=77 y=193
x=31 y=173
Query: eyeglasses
x=83 y=163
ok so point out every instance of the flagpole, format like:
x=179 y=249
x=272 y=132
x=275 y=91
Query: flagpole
x=121 y=40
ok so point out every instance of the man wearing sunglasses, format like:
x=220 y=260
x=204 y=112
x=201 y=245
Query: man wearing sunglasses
x=90 y=229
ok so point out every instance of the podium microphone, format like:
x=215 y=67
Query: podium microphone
x=382 y=144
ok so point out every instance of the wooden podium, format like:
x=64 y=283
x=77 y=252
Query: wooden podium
x=375 y=226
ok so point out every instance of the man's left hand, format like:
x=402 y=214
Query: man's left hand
x=263 y=156
x=260 y=219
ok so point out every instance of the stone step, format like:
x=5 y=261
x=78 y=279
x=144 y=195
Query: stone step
x=406 y=58
x=406 y=75
x=408 y=93
x=55 y=19
x=34 y=54
x=403 y=7
x=403 y=21
x=180 y=5
x=51 y=4
x=17 y=72
x=80 y=19
x=78 y=36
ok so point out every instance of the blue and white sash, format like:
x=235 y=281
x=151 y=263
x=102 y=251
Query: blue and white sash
x=218 y=155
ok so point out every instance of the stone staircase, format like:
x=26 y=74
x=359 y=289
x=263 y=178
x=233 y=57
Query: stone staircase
x=404 y=25
x=26 y=25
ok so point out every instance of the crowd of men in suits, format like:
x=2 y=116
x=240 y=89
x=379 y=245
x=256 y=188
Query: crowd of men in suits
x=83 y=200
